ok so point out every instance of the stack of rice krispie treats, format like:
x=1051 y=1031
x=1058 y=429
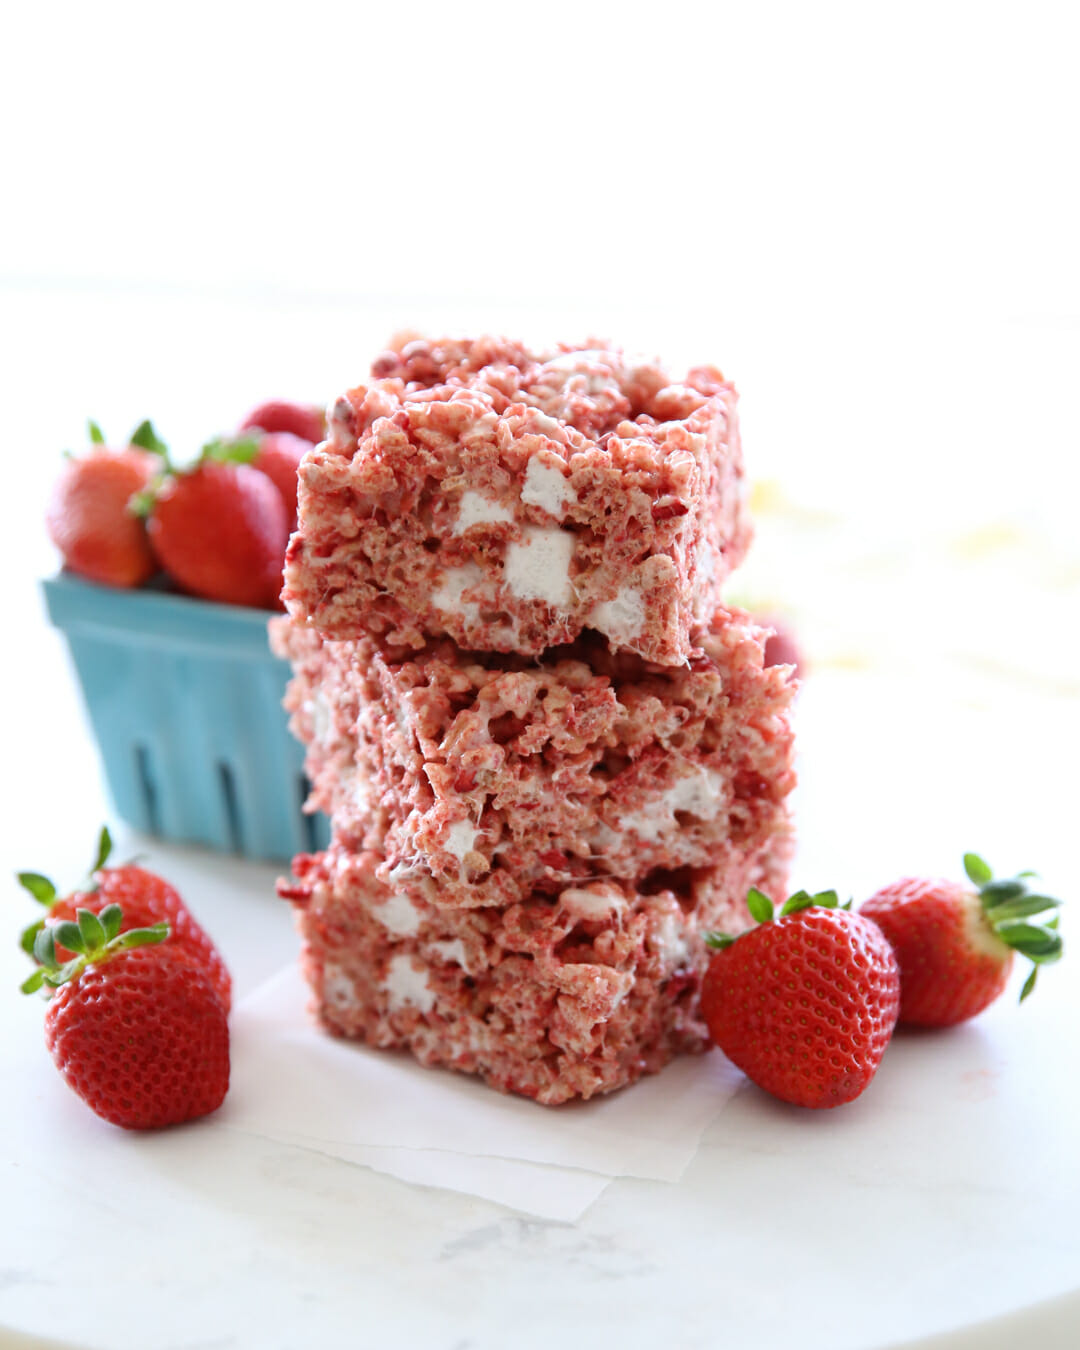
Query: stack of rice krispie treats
x=552 y=758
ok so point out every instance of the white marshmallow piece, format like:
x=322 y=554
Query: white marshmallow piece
x=476 y=509
x=546 y=487
x=538 y=566
x=407 y=986
x=622 y=619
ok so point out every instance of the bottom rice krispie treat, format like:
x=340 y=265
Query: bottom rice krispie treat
x=555 y=997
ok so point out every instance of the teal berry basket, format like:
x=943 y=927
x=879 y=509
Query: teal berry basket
x=184 y=697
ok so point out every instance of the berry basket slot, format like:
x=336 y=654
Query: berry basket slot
x=184 y=697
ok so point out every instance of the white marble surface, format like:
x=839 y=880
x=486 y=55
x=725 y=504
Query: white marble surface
x=946 y=1194
x=940 y=715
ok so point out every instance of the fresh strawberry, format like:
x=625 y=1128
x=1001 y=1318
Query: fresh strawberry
x=301 y=419
x=220 y=528
x=88 y=517
x=136 y=1028
x=146 y=900
x=804 y=1003
x=279 y=458
x=956 y=944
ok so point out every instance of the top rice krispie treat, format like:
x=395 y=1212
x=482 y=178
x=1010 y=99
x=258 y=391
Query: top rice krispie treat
x=509 y=499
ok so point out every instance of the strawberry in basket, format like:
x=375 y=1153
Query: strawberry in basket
x=219 y=528
x=89 y=517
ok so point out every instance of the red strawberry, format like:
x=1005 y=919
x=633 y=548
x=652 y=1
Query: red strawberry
x=145 y=899
x=137 y=1030
x=955 y=943
x=279 y=458
x=301 y=419
x=88 y=517
x=804 y=1004
x=220 y=532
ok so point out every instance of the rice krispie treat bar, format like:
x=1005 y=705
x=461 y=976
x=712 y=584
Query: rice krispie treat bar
x=481 y=780
x=556 y=997
x=509 y=499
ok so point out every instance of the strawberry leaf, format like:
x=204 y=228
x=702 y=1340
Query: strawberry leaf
x=146 y=438
x=1047 y=901
x=33 y=982
x=1020 y=908
x=804 y=900
x=1029 y=983
x=718 y=941
x=996 y=893
x=97 y=436
x=977 y=870
x=228 y=450
x=41 y=888
x=44 y=951
x=759 y=905
x=93 y=934
x=104 y=848
x=141 y=937
x=1053 y=951
x=1031 y=940
x=112 y=916
x=142 y=503
x=28 y=936
x=67 y=934
x=55 y=978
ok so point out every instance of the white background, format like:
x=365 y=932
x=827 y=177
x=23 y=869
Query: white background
x=770 y=159
x=868 y=215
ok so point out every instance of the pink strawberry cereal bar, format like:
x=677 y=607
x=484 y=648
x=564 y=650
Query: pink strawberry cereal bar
x=559 y=996
x=509 y=499
x=481 y=780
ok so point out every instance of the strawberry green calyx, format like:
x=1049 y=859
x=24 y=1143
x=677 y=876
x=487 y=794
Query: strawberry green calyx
x=762 y=910
x=220 y=450
x=142 y=503
x=45 y=893
x=95 y=938
x=146 y=438
x=230 y=450
x=104 y=849
x=41 y=888
x=1008 y=905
